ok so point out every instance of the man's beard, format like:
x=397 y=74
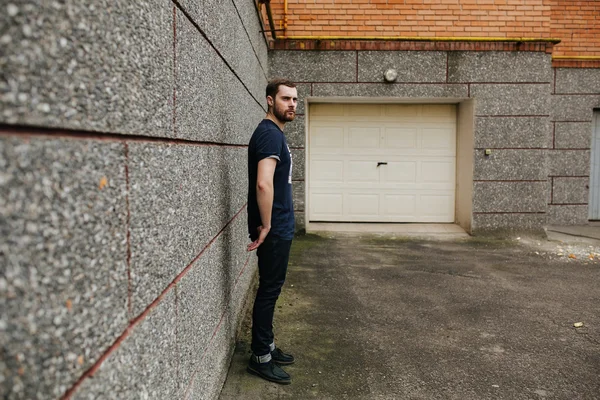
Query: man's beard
x=283 y=115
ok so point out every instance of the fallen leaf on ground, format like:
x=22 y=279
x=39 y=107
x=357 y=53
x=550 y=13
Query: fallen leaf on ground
x=573 y=256
x=578 y=324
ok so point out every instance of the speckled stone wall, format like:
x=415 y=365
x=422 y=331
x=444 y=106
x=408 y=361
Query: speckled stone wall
x=576 y=93
x=512 y=97
x=123 y=133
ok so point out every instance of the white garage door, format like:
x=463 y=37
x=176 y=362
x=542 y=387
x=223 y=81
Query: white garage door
x=381 y=162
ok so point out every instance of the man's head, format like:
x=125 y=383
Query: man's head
x=282 y=98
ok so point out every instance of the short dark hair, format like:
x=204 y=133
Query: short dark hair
x=273 y=86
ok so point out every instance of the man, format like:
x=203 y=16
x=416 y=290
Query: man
x=270 y=224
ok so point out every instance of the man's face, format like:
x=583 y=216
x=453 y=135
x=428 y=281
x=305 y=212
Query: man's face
x=284 y=105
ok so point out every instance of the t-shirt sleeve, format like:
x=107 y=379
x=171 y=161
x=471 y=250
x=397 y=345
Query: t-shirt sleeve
x=269 y=145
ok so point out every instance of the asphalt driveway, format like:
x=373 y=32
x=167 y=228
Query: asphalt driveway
x=375 y=318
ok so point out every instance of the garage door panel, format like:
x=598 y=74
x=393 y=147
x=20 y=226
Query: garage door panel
x=400 y=138
x=416 y=145
x=363 y=204
x=327 y=204
x=362 y=171
x=400 y=172
x=436 y=208
x=399 y=205
x=364 y=137
x=438 y=138
x=441 y=171
x=327 y=171
x=327 y=136
x=402 y=110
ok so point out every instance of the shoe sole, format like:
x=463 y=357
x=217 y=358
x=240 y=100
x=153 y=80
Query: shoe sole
x=281 y=382
x=283 y=362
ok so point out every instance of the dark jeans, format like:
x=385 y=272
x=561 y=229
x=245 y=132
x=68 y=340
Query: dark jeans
x=273 y=255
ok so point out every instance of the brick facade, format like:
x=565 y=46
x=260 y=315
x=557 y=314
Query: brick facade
x=575 y=23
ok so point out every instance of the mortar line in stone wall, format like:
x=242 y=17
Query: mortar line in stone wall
x=128 y=227
x=250 y=40
x=174 y=71
x=569 y=148
x=509 y=212
x=510 y=180
x=512 y=116
x=576 y=94
x=137 y=320
x=568 y=176
x=587 y=122
x=191 y=20
x=65 y=133
x=513 y=148
x=215 y=331
x=176 y=294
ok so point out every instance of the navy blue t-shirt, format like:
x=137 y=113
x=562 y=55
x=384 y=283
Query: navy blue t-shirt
x=268 y=141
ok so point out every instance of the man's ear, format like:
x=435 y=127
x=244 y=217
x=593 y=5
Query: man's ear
x=270 y=101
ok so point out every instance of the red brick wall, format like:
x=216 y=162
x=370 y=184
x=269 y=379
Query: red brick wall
x=576 y=23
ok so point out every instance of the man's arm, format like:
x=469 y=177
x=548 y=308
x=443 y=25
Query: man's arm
x=264 y=198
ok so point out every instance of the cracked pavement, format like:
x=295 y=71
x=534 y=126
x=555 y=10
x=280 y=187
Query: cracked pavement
x=370 y=317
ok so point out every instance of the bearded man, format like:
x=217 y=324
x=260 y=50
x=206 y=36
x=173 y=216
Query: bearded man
x=271 y=224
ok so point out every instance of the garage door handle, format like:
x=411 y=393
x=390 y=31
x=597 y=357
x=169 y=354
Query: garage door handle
x=381 y=163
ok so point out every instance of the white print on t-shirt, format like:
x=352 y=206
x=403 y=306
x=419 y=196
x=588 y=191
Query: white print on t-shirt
x=291 y=165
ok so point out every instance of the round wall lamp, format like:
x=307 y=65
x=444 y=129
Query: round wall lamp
x=390 y=75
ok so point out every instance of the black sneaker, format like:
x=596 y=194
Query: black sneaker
x=281 y=358
x=269 y=371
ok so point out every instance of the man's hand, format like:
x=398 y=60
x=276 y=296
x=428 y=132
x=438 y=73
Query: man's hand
x=262 y=235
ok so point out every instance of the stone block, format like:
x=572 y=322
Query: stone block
x=567 y=215
x=298 y=168
x=412 y=91
x=510 y=165
x=205 y=294
x=499 y=66
x=510 y=132
x=577 y=80
x=144 y=366
x=569 y=162
x=411 y=66
x=575 y=135
x=300 y=221
x=86 y=66
x=63 y=286
x=570 y=190
x=213 y=366
x=313 y=66
x=295 y=132
x=304 y=90
x=509 y=196
x=511 y=99
x=204 y=111
x=578 y=108
x=251 y=22
x=298 y=190
x=181 y=197
x=503 y=224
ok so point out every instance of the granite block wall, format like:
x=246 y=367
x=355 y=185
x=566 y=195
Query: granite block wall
x=123 y=133
x=576 y=93
x=512 y=94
